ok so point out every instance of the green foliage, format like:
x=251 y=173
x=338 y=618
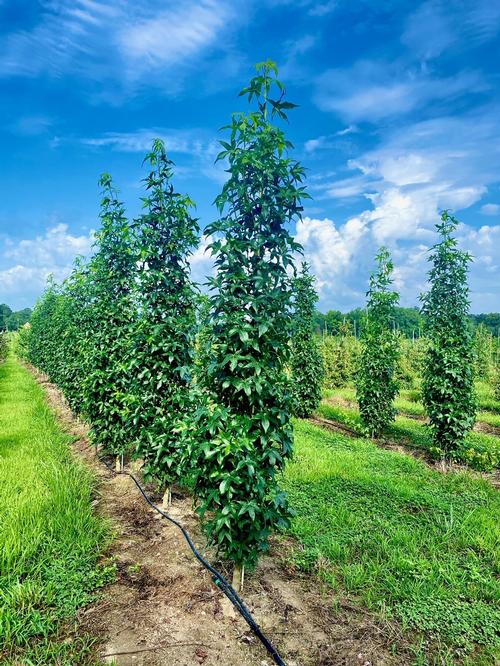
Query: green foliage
x=340 y=357
x=12 y=321
x=484 y=352
x=4 y=346
x=376 y=386
x=496 y=382
x=21 y=342
x=245 y=429
x=306 y=362
x=109 y=279
x=411 y=361
x=448 y=383
x=162 y=359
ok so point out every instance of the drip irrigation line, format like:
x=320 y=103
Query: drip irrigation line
x=219 y=580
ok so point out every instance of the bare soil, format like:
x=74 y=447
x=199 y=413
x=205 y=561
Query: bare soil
x=163 y=608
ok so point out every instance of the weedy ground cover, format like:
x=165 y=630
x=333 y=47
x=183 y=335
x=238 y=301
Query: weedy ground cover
x=479 y=450
x=50 y=540
x=405 y=540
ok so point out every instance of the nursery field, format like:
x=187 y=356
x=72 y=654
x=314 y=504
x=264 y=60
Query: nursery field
x=344 y=485
x=387 y=535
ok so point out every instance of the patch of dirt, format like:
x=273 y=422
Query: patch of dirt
x=486 y=428
x=163 y=608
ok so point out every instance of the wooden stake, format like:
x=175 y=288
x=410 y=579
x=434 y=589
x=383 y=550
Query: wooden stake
x=119 y=463
x=167 y=498
x=238 y=577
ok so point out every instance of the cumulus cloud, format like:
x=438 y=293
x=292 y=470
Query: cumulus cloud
x=27 y=263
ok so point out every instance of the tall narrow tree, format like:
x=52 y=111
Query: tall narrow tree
x=166 y=235
x=107 y=384
x=448 y=382
x=247 y=434
x=307 y=361
x=376 y=386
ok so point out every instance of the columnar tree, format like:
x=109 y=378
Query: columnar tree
x=483 y=346
x=307 y=361
x=43 y=343
x=448 y=381
x=111 y=272
x=81 y=324
x=496 y=381
x=246 y=436
x=166 y=235
x=376 y=385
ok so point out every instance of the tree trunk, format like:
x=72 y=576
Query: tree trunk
x=167 y=498
x=238 y=577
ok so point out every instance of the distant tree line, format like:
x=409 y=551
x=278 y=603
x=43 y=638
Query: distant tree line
x=408 y=321
x=12 y=321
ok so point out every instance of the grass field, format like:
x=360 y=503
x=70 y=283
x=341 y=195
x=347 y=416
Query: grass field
x=400 y=538
x=480 y=450
x=50 y=541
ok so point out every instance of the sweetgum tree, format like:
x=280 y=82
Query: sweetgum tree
x=77 y=338
x=43 y=342
x=376 y=385
x=107 y=384
x=166 y=235
x=448 y=379
x=307 y=361
x=245 y=430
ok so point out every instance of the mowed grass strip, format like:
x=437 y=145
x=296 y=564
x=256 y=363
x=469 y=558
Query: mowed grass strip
x=50 y=539
x=414 y=544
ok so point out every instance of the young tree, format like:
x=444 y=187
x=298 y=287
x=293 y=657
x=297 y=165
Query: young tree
x=245 y=431
x=306 y=362
x=166 y=235
x=483 y=346
x=496 y=381
x=376 y=385
x=111 y=270
x=448 y=382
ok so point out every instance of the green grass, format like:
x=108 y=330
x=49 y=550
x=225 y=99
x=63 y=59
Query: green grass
x=481 y=451
x=50 y=540
x=406 y=541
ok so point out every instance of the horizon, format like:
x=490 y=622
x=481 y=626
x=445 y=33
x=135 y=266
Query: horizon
x=398 y=118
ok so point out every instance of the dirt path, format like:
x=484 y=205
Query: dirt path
x=163 y=608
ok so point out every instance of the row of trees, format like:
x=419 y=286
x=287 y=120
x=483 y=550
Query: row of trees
x=202 y=389
x=450 y=357
x=410 y=322
x=13 y=320
x=196 y=387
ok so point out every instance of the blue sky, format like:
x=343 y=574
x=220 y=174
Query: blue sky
x=399 y=117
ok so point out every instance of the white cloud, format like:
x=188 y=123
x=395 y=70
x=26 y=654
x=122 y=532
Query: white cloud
x=330 y=250
x=435 y=26
x=139 y=141
x=490 y=209
x=122 y=44
x=27 y=263
x=171 y=36
x=370 y=91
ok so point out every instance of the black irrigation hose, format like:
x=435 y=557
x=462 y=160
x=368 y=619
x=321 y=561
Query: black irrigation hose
x=219 y=580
